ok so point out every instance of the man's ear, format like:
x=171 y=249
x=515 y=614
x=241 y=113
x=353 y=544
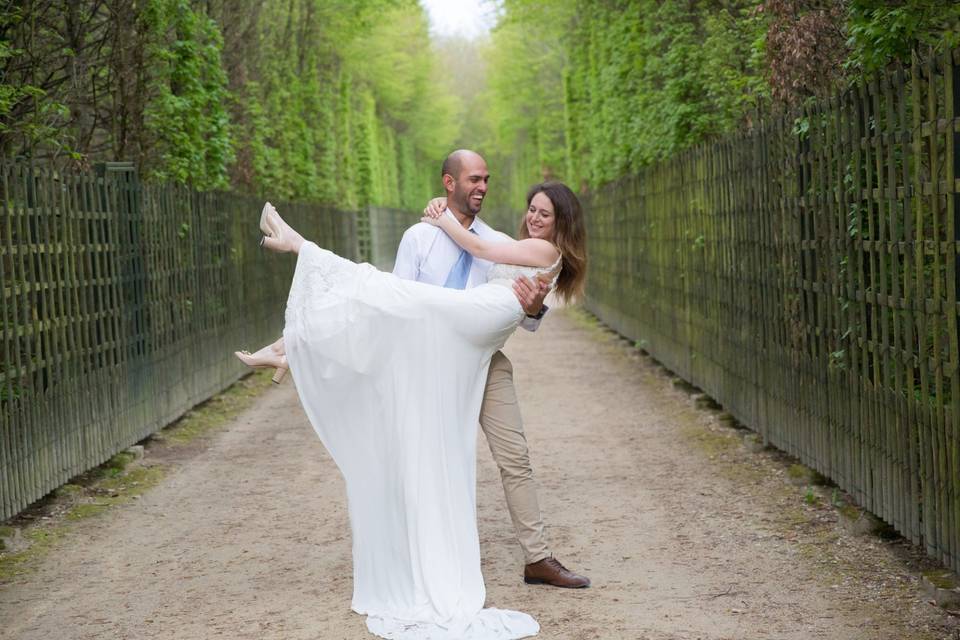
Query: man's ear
x=448 y=182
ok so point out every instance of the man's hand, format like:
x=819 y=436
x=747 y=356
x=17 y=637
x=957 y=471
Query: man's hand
x=530 y=294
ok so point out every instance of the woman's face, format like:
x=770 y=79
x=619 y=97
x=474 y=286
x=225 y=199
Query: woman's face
x=540 y=218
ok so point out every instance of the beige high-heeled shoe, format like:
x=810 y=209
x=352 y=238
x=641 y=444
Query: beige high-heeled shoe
x=265 y=358
x=280 y=236
x=273 y=236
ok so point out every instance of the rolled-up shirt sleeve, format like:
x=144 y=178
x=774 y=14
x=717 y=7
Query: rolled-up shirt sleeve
x=407 y=265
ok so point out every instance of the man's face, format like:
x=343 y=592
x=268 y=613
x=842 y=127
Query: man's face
x=470 y=187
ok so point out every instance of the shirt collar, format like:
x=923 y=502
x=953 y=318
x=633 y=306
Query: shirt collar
x=474 y=224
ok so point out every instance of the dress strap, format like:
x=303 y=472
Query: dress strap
x=554 y=270
x=559 y=257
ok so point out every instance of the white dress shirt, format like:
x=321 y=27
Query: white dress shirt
x=427 y=254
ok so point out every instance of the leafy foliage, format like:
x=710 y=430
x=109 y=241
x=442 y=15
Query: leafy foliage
x=353 y=102
x=589 y=90
x=520 y=124
x=187 y=116
x=881 y=31
x=329 y=100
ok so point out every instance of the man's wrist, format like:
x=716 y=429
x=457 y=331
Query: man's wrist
x=539 y=314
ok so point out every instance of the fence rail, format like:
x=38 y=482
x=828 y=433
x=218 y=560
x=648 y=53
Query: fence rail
x=122 y=305
x=804 y=273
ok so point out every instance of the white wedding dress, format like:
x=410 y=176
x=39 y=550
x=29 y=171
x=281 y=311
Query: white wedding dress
x=391 y=374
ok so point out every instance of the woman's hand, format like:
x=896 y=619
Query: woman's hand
x=435 y=208
x=438 y=220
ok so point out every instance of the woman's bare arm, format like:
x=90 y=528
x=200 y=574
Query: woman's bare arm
x=531 y=252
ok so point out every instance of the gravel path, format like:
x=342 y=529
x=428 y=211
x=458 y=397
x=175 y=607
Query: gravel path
x=684 y=533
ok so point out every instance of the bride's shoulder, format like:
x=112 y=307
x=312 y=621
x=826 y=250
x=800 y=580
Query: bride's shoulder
x=540 y=244
x=544 y=249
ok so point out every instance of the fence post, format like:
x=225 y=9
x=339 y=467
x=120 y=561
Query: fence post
x=123 y=180
x=952 y=102
x=363 y=238
x=952 y=97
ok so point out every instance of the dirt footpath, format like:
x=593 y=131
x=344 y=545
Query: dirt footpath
x=684 y=532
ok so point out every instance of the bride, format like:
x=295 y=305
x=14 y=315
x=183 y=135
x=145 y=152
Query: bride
x=391 y=374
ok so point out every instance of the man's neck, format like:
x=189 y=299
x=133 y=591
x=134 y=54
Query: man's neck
x=463 y=218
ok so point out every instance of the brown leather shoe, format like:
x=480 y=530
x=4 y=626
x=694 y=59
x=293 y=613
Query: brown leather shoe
x=550 y=571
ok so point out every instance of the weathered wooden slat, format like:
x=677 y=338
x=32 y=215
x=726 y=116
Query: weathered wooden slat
x=951 y=76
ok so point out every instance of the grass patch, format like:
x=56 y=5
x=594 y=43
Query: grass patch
x=79 y=503
x=135 y=482
x=119 y=489
x=804 y=475
x=850 y=511
x=582 y=317
x=68 y=490
x=218 y=410
x=586 y=320
x=811 y=498
x=797 y=471
x=41 y=540
x=941 y=579
x=88 y=509
x=709 y=442
x=118 y=462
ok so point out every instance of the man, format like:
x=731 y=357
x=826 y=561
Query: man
x=426 y=254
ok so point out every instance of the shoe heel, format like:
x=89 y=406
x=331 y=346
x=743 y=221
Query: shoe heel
x=278 y=375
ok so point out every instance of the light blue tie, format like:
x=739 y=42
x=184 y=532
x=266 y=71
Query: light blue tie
x=457 y=278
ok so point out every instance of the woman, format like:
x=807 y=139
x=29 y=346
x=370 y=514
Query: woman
x=391 y=375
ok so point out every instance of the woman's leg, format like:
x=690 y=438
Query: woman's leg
x=274 y=348
x=278 y=347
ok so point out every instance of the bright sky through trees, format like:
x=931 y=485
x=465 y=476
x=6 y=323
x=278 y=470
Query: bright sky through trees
x=466 y=18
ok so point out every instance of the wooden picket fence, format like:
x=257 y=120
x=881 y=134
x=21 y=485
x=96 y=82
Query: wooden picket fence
x=122 y=305
x=804 y=274
x=380 y=230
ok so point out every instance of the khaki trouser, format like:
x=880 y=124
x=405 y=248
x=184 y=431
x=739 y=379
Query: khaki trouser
x=501 y=422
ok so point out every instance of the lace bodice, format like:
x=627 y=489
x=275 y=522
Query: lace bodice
x=501 y=273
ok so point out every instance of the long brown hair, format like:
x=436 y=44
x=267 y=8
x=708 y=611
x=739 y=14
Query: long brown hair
x=569 y=235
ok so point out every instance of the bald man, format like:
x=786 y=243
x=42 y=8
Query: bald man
x=427 y=254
